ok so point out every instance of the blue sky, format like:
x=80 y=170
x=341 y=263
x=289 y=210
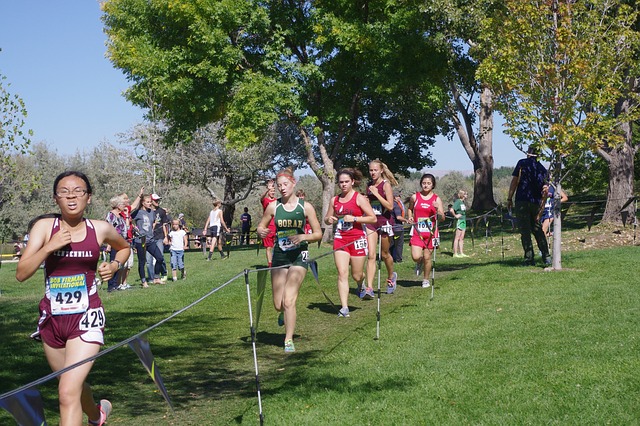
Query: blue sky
x=53 y=55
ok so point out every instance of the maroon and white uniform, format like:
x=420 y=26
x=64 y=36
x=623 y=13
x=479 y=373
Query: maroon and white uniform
x=349 y=236
x=384 y=216
x=71 y=306
x=424 y=216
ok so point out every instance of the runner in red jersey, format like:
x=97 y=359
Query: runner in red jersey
x=269 y=240
x=424 y=208
x=349 y=212
x=72 y=317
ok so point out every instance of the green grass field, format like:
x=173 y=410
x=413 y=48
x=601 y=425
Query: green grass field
x=498 y=344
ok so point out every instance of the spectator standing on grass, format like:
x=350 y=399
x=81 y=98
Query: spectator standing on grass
x=459 y=211
x=72 y=320
x=289 y=214
x=123 y=275
x=527 y=179
x=160 y=236
x=245 y=228
x=547 y=206
x=213 y=227
x=116 y=220
x=144 y=218
x=178 y=242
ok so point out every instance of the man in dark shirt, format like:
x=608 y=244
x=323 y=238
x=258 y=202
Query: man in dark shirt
x=160 y=235
x=245 y=220
x=528 y=177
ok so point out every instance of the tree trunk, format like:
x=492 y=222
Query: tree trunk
x=556 y=258
x=620 y=189
x=328 y=191
x=483 y=166
x=480 y=149
x=229 y=206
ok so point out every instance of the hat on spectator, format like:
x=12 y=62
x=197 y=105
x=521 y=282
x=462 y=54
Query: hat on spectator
x=181 y=215
x=155 y=197
x=533 y=151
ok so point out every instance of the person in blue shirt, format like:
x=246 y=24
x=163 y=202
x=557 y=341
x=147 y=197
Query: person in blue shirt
x=528 y=177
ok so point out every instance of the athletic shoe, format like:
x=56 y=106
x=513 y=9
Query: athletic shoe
x=391 y=284
x=529 y=263
x=163 y=279
x=426 y=284
x=547 y=261
x=464 y=255
x=124 y=286
x=418 y=269
x=457 y=255
x=289 y=347
x=105 y=409
x=344 y=312
x=281 y=319
x=368 y=294
x=174 y=279
x=223 y=256
x=362 y=291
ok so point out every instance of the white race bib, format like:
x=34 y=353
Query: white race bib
x=68 y=294
x=424 y=225
x=344 y=226
x=377 y=207
x=360 y=244
x=92 y=319
x=284 y=242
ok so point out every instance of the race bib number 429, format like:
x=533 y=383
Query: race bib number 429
x=68 y=294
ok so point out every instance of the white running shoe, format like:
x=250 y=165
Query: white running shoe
x=426 y=284
x=105 y=409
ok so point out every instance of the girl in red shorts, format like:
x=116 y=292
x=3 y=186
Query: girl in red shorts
x=268 y=241
x=423 y=208
x=349 y=211
x=71 y=316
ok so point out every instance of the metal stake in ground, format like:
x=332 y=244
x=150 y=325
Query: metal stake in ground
x=379 y=258
x=253 y=344
x=436 y=244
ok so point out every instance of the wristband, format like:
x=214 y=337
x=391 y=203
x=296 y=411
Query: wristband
x=118 y=262
x=355 y=219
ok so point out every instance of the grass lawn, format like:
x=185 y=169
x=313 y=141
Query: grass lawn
x=499 y=344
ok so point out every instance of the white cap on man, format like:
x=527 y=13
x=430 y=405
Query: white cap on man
x=155 y=197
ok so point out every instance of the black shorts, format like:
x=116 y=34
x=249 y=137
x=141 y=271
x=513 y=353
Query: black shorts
x=214 y=231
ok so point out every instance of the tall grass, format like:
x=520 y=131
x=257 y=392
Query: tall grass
x=499 y=344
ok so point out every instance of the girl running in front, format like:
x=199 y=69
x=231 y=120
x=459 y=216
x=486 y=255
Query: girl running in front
x=349 y=211
x=71 y=315
x=289 y=214
x=424 y=206
x=380 y=196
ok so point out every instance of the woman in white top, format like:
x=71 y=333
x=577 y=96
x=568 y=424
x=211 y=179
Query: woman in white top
x=212 y=228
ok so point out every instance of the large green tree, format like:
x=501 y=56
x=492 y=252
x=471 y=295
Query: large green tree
x=355 y=79
x=558 y=68
x=14 y=139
